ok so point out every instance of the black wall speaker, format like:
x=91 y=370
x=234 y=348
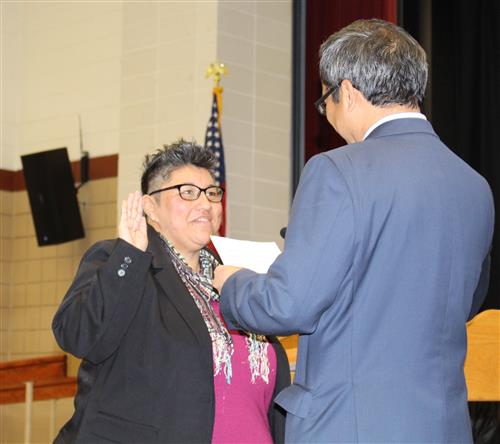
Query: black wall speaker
x=52 y=196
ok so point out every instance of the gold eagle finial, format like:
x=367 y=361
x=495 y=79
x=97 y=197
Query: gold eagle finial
x=216 y=70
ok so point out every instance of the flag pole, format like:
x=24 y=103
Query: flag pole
x=216 y=70
x=213 y=136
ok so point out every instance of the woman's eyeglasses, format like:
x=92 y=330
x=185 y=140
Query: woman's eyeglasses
x=188 y=191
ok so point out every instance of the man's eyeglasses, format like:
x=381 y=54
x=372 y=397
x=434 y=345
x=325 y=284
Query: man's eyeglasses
x=188 y=191
x=320 y=104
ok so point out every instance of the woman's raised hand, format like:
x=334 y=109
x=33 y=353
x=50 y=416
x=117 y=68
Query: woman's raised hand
x=132 y=227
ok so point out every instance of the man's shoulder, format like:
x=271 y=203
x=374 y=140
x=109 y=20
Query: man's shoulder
x=344 y=155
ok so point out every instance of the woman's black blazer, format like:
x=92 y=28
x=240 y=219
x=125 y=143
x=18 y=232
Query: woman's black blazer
x=146 y=374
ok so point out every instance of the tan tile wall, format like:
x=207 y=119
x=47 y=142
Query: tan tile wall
x=60 y=60
x=134 y=72
x=166 y=49
x=34 y=279
x=254 y=40
x=44 y=426
x=33 y=282
x=164 y=96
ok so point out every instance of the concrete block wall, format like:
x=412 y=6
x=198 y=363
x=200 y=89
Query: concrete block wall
x=33 y=282
x=254 y=40
x=34 y=279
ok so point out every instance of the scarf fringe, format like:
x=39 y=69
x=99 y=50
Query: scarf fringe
x=201 y=289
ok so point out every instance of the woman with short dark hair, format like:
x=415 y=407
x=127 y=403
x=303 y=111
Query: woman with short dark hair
x=158 y=363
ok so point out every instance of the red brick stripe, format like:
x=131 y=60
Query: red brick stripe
x=99 y=168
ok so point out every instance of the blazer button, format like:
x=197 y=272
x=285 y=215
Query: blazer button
x=127 y=260
x=124 y=266
x=121 y=272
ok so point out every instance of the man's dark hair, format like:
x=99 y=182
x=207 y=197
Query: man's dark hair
x=380 y=59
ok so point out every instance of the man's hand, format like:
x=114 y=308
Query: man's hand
x=222 y=273
x=132 y=227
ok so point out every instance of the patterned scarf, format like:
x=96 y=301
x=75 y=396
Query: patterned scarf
x=200 y=287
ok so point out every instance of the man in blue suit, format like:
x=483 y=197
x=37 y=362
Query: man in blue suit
x=385 y=259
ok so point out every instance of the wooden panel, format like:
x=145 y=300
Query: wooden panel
x=36 y=369
x=99 y=168
x=482 y=364
x=43 y=390
x=290 y=344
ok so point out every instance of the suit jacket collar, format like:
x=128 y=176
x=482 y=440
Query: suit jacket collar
x=402 y=126
x=175 y=291
x=156 y=248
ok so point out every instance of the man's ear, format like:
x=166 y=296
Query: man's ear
x=351 y=94
x=150 y=207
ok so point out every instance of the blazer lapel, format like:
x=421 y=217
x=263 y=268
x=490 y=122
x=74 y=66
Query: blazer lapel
x=175 y=290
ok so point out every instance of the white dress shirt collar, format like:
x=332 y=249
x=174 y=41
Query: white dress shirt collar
x=394 y=117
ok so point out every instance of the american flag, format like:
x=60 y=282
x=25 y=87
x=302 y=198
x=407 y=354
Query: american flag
x=213 y=141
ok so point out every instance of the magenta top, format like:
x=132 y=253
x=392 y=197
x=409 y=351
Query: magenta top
x=241 y=407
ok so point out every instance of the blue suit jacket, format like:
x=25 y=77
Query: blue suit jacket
x=386 y=246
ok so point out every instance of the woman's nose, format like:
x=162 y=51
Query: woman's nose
x=203 y=200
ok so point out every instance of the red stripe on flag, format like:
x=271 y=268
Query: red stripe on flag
x=213 y=141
